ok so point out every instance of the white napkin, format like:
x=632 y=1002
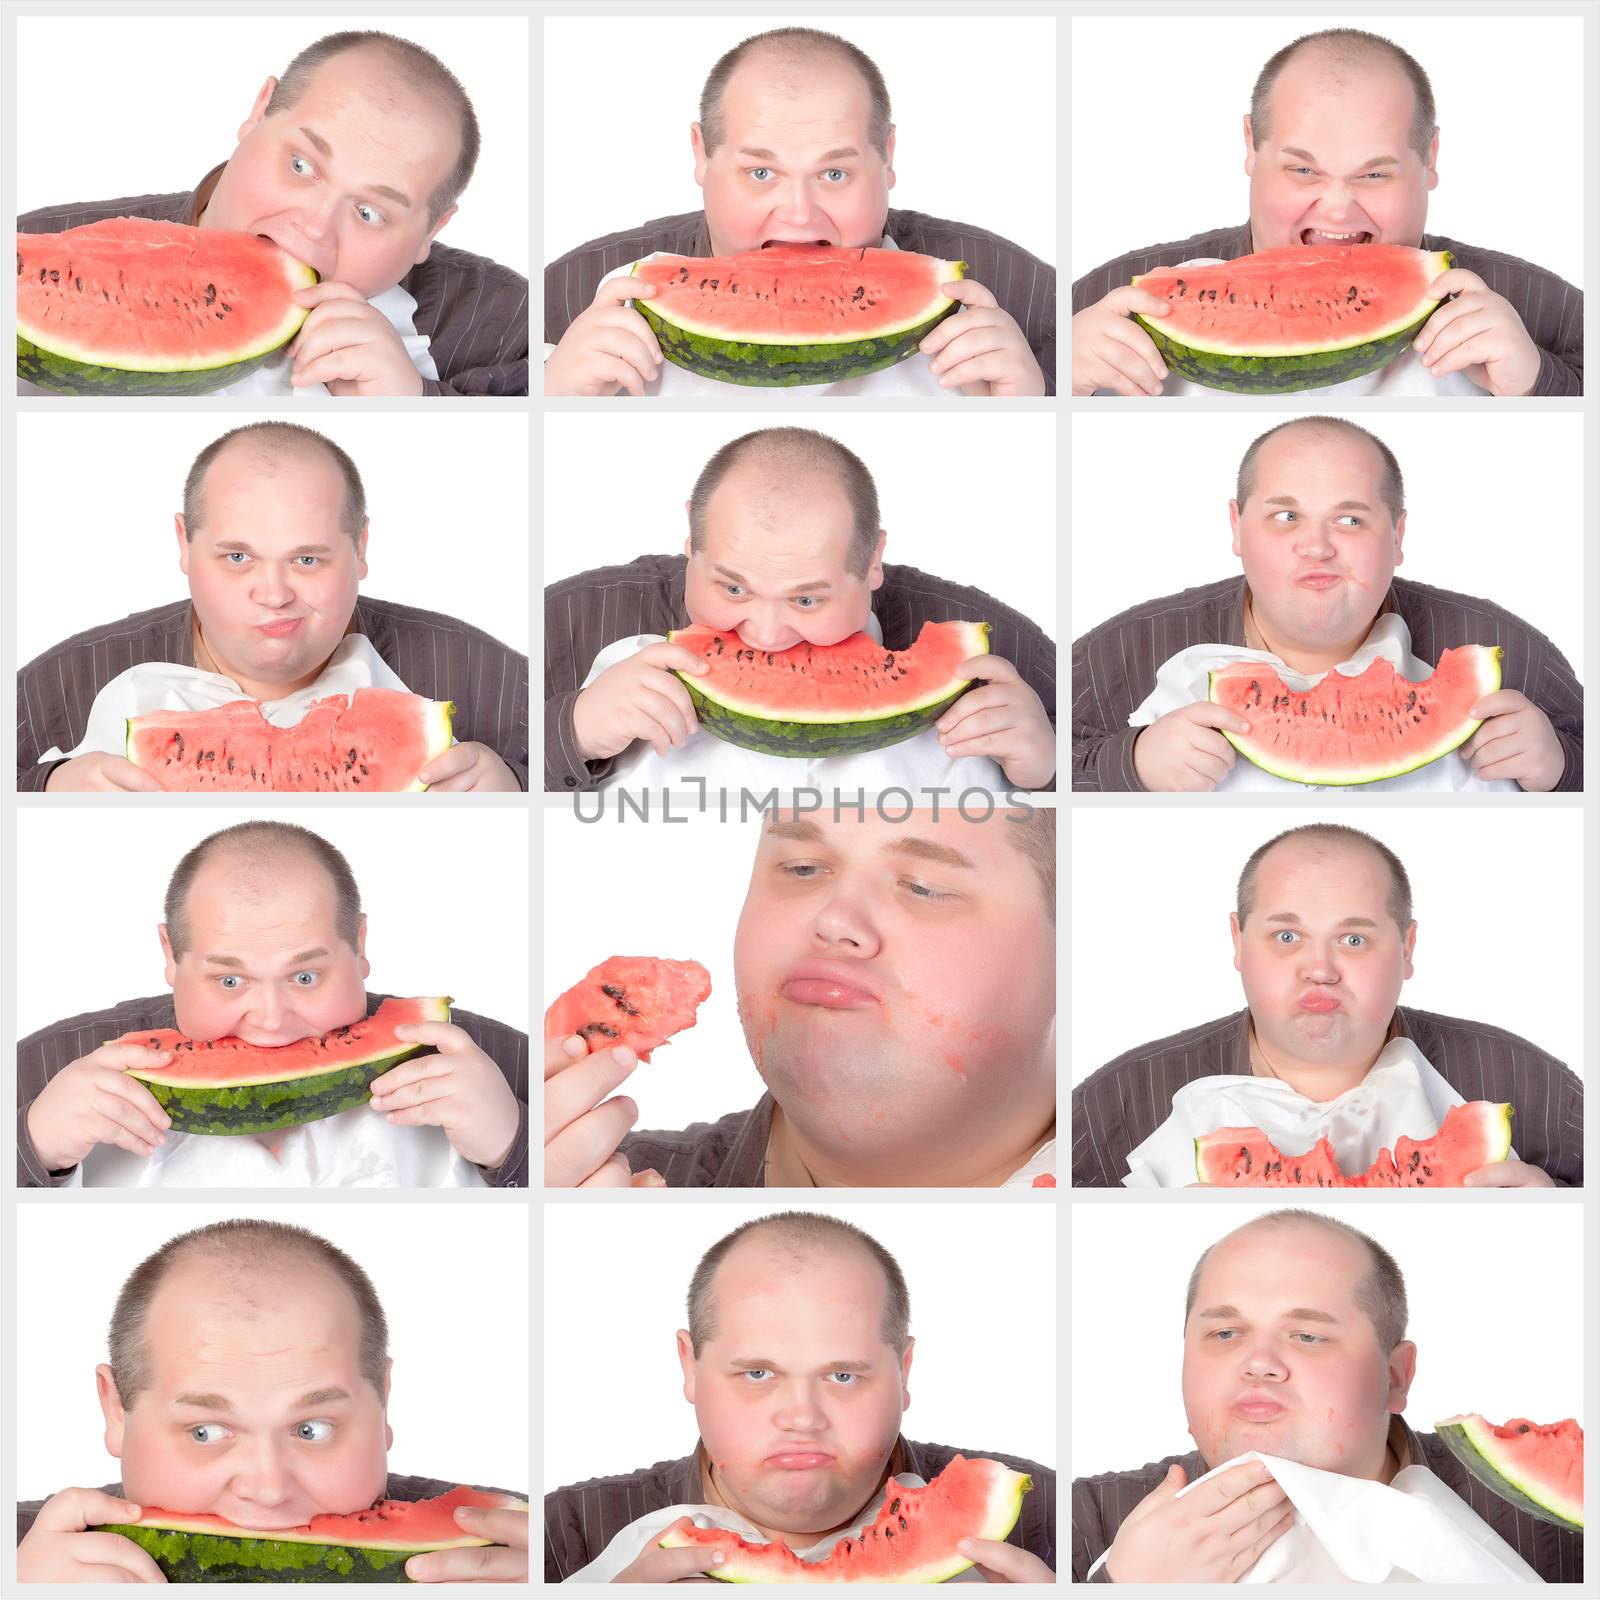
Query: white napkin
x=1041 y=1162
x=1405 y=375
x=1184 y=679
x=357 y=1149
x=167 y=686
x=1402 y=1093
x=916 y=763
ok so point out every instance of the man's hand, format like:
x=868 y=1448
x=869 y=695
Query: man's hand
x=607 y=347
x=1479 y=333
x=582 y=1128
x=469 y=768
x=1000 y=1562
x=60 y=1549
x=349 y=345
x=93 y=1101
x=1515 y=741
x=638 y=699
x=981 y=349
x=504 y=1561
x=685 y=1565
x=100 y=772
x=1183 y=750
x=1004 y=720
x=1213 y=1535
x=1509 y=1175
x=460 y=1090
x=1111 y=351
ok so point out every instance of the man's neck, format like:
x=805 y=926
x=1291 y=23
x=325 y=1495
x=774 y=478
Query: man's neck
x=1321 y=1080
x=795 y=1538
x=1308 y=659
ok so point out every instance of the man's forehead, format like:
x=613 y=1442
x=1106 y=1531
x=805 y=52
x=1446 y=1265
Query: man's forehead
x=1321 y=456
x=951 y=839
x=801 y=99
x=362 y=105
x=1275 y=1261
x=1312 y=96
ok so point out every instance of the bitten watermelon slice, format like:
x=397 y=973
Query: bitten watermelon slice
x=793 y=314
x=225 y=1086
x=373 y=741
x=1359 y=728
x=133 y=307
x=1295 y=318
x=913 y=1539
x=816 y=700
x=1537 y=1466
x=1473 y=1135
x=370 y=1546
x=638 y=1001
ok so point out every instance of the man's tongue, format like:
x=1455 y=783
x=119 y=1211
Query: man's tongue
x=1345 y=236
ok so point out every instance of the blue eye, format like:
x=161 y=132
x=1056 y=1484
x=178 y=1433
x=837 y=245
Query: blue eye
x=756 y=1373
x=308 y=563
x=302 y=163
x=206 y=1428
x=836 y=174
x=1285 y=936
x=374 y=219
x=799 y=869
x=807 y=602
x=303 y=1430
x=732 y=590
x=305 y=979
x=1355 y=940
x=846 y=1379
x=235 y=558
x=229 y=981
x=761 y=174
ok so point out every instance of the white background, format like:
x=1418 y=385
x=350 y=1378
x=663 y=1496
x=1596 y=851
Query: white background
x=96 y=543
x=1497 y=898
x=1478 y=487
x=973 y=105
x=1158 y=112
x=458 y=1330
x=983 y=1375
x=445 y=900
x=171 y=92
x=1500 y=1354
x=985 y=515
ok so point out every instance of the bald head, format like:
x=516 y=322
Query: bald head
x=1326 y=842
x=1266 y=448
x=268 y=451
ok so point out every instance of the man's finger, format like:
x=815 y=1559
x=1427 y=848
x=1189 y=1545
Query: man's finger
x=483 y=1563
x=123 y=1114
x=410 y=1072
x=626 y=345
x=1129 y=336
x=72 y=1510
x=136 y=1095
x=581 y=1146
x=349 y=363
x=421 y=1093
x=967 y=292
x=998 y=719
x=1130 y=298
x=613 y=1173
x=120 y=773
x=559 y=1054
x=675 y=656
x=119 y=1559
x=1468 y=321
x=1456 y=280
x=1210 y=1497
x=449 y=762
x=665 y=712
x=621 y=288
x=574 y=1091
x=974 y=700
x=1479 y=349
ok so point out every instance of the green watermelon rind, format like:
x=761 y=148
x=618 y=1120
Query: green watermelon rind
x=773 y=364
x=1472 y=1449
x=214 y=1558
x=1490 y=679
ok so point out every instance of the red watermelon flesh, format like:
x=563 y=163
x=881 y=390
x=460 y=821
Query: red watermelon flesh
x=1473 y=1135
x=1537 y=1466
x=1360 y=728
x=913 y=1539
x=638 y=1001
x=373 y=741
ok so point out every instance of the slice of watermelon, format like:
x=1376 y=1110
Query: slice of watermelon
x=638 y=1001
x=1537 y=1466
x=1357 y=728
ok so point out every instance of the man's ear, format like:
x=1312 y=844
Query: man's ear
x=167 y=955
x=183 y=542
x=1249 y=147
x=111 y=1409
x=1238 y=941
x=1233 y=525
x=697 y=143
x=259 y=109
x=361 y=550
x=1431 y=165
x=388 y=1376
x=1402 y=1369
x=686 y=1361
x=433 y=233
x=905 y=1374
x=1399 y=539
x=875 y=570
x=361 y=946
x=888 y=159
x=1409 y=947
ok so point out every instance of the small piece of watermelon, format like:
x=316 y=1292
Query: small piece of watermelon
x=1536 y=1466
x=638 y=1001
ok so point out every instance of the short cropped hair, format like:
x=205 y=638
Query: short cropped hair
x=791 y=451
x=800 y=1232
x=1392 y=486
x=276 y=440
x=796 y=45
x=1329 y=833
x=1034 y=834
x=421 y=69
x=262 y=841
x=1346 y=47
x=252 y=1244
x=1382 y=1294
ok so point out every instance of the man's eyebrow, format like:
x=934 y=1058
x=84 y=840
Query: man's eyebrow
x=842 y=153
x=249 y=549
x=828 y=1366
x=325 y=150
x=927 y=850
x=1212 y=1313
x=1375 y=161
x=798 y=830
x=1344 y=922
x=808 y=587
x=220 y=1402
x=312 y=954
x=1298 y=1314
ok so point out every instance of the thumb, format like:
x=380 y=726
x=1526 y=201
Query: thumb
x=1175 y=1479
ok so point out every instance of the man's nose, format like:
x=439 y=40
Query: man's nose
x=272 y=585
x=799 y=1408
x=261 y=1477
x=842 y=923
x=794 y=205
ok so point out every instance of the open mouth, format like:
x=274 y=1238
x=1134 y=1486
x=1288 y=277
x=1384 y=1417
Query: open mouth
x=1317 y=236
x=798 y=244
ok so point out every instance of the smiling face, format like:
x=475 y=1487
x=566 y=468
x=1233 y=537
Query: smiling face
x=797 y=1395
x=795 y=163
x=774 y=558
x=342 y=178
x=897 y=989
x=1279 y=1355
x=1321 y=955
x=264 y=960
x=256 y=1407
x=1318 y=544
x=272 y=573
x=1337 y=166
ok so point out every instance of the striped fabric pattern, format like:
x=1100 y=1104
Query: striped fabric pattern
x=1551 y=308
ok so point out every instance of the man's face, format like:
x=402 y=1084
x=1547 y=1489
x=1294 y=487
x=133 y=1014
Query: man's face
x=1318 y=544
x=341 y=179
x=797 y=1396
x=897 y=987
x=774 y=560
x=265 y=962
x=795 y=164
x=1279 y=1357
x=1339 y=167
x=1321 y=956
x=256 y=1409
x=272 y=574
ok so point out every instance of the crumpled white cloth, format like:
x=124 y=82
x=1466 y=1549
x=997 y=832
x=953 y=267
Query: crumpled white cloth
x=1414 y=1529
x=1184 y=678
x=1402 y=1093
x=1041 y=1162
x=167 y=686
x=916 y=763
